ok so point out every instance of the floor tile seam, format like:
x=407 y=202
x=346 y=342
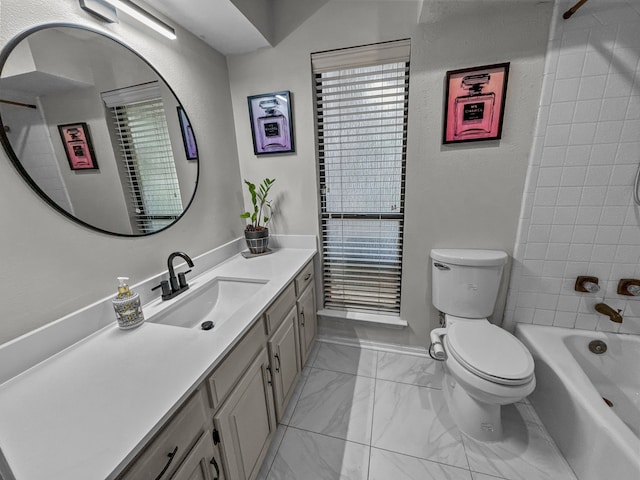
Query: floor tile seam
x=293 y=412
x=275 y=454
x=464 y=447
x=487 y=475
x=344 y=373
x=329 y=436
x=373 y=411
x=409 y=383
x=465 y=439
x=467 y=469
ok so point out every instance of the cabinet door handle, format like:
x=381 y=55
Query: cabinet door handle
x=269 y=380
x=215 y=465
x=302 y=318
x=307 y=277
x=278 y=359
x=171 y=456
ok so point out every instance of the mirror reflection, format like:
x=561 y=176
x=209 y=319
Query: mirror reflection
x=96 y=131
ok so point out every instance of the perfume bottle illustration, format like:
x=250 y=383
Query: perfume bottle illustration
x=273 y=130
x=474 y=112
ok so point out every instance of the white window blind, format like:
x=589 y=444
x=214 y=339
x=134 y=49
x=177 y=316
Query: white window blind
x=151 y=179
x=361 y=107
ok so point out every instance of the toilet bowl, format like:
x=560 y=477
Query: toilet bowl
x=485 y=366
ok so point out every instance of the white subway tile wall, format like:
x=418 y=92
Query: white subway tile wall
x=578 y=216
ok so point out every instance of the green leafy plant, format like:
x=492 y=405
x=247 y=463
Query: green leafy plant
x=260 y=204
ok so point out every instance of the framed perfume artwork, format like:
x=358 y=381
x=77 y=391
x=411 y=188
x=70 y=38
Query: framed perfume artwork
x=78 y=147
x=271 y=123
x=188 y=138
x=474 y=103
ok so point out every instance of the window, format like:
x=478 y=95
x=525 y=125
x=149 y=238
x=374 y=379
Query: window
x=149 y=171
x=361 y=108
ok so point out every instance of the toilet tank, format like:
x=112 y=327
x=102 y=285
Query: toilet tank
x=464 y=282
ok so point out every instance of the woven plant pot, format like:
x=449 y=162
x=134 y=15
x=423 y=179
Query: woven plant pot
x=257 y=240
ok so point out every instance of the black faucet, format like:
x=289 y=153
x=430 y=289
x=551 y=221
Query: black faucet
x=175 y=286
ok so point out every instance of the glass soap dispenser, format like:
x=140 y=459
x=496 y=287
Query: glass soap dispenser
x=127 y=306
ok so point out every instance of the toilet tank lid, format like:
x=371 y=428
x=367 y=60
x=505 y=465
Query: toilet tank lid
x=468 y=257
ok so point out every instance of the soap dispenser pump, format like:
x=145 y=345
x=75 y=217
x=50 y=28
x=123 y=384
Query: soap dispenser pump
x=127 y=306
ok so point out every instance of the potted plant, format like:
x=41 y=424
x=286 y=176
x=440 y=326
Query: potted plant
x=256 y=233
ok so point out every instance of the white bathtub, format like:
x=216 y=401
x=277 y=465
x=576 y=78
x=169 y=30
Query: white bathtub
x=598 y=441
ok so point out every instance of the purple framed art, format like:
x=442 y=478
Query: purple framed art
x=271 y=123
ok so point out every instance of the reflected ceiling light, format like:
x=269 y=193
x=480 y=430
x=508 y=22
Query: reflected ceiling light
x=143 y=16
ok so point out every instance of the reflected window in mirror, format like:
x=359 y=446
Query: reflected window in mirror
x=147 y=169
x=60 y=72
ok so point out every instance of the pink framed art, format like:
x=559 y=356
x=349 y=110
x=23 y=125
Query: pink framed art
x=77 y=145
x=474 y=103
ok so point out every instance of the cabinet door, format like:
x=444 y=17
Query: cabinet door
x=307 y=321
x=201 y=463
x=284 y=353
x=246 y=421
x=164 y=453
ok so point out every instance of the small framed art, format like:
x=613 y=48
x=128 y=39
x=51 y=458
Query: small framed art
x=271 y=123
x=474 y=103
x=188 y=138
x=78 y=147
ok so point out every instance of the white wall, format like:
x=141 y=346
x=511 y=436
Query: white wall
x=52 y=266
x=578 y=216
x=29 y=136
x=457 y=196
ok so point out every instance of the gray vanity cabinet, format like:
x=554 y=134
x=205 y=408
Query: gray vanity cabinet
x=202 y=463
x=246 y=395
x=306 y=306
x=246 y=421
x=182 y=450
x=284 y=353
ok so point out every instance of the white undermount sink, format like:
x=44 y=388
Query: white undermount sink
x=215 y=300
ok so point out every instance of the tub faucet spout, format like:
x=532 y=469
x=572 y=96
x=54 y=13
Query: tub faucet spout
x=613 y=315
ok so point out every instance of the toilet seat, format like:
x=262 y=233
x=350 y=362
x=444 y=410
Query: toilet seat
x=489 y=352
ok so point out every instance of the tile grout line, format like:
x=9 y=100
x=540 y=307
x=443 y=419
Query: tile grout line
x=328 y=436
x=373 y=410
x=303 y=379
x=429 y=460
x=306 y=378
x=275 y=454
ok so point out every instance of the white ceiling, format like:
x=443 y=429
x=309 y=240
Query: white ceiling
x=218 y=22
x=221 y=24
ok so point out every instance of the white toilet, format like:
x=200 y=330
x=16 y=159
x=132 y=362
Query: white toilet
x=485 y=366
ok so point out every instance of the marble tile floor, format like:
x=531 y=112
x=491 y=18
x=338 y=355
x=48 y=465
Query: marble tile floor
x=362 y=414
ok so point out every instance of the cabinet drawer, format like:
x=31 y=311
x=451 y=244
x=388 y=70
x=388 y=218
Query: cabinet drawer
x=277 y=312
x=304 y=278
x=201 y=463
x=229 y=371
x=169 y=448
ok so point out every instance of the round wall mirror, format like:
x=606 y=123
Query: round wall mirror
x=95 y=130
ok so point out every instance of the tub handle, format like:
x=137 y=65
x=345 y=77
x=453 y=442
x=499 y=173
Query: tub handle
x=629 y=287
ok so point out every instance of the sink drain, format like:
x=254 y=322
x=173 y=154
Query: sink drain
x=598 y=347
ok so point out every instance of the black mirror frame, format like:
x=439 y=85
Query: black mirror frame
x=6 y=144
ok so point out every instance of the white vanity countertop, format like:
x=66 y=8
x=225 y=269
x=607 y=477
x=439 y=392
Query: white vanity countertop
x=87 y=411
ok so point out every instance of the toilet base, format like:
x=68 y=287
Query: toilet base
x=476 y=419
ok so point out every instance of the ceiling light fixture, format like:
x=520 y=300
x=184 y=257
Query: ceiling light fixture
x=143 y=16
